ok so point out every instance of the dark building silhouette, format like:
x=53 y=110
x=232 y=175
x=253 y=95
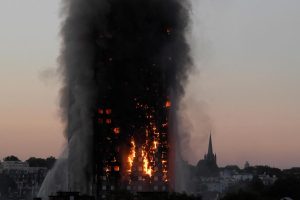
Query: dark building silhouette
x=208 y=166
x=20 y=181
x=69 y=196
x=210 y=158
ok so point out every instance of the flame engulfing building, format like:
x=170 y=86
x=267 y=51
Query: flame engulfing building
x=123 y=63
x=133 y=155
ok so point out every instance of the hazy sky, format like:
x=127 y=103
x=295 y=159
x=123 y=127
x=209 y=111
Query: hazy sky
x=245 y=87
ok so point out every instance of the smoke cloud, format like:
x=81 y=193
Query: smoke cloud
x=115 y=52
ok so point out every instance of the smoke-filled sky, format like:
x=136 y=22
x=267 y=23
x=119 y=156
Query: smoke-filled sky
x=245 y=87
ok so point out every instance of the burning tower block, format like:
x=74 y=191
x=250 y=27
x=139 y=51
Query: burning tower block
x=123 y=63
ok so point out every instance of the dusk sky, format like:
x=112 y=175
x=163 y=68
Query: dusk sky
x=244 y=88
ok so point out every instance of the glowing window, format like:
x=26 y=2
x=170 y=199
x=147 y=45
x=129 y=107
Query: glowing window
x=168 y=104
x=107 y=169
x=116 y=168
x=108 y=111
x=108 y=121
x=116 y=131
x=168 y=30
x=100 y=111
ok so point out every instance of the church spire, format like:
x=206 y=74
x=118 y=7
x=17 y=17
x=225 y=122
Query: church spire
x=210 y=159
x=210 y=148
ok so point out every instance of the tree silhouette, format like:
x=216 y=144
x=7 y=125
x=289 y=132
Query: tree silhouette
x=11 y=158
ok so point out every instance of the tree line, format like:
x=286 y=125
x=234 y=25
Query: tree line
x=34 y=162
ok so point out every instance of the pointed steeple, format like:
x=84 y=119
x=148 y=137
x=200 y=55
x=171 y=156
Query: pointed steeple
x=210 y=148
x=210 y=159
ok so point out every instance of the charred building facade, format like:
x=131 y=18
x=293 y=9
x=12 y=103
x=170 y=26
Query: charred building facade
x=131 y=132
x=131 y=125
x=132 y=155
x=123 y=64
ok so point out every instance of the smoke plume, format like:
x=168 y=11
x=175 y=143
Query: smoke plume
x=114 y=52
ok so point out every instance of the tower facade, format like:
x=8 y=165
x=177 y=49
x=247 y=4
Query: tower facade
x=131 y=154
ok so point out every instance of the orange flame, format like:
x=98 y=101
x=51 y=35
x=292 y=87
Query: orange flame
x=117 y=130
x=116 y=168
x=155 y=143
x=168 y=104
x=131 y=155
x=147 y=152
x=147 y=168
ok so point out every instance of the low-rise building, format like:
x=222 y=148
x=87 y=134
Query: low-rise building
x=27 y=179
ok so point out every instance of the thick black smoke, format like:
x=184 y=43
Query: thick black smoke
x=117 y=52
